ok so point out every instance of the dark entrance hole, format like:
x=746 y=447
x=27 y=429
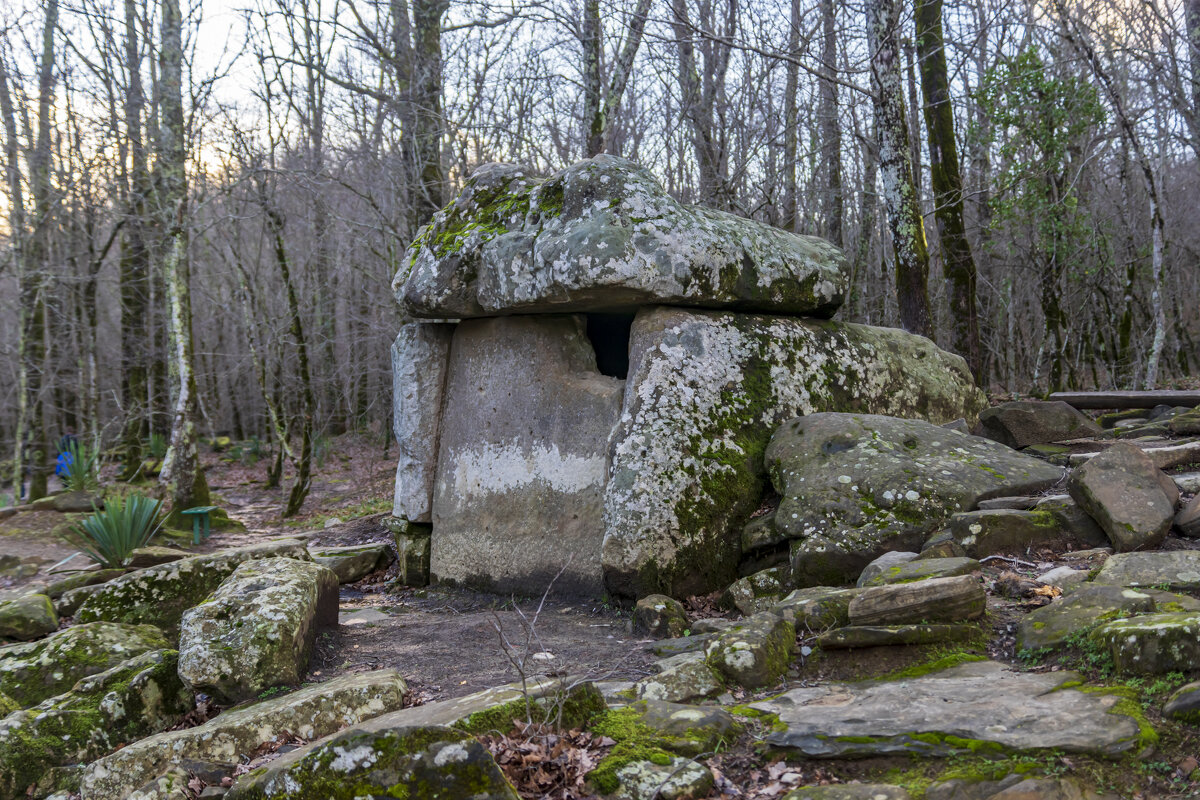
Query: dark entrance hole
x=609 y=335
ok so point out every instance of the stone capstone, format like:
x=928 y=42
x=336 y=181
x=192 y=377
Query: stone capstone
x=27 y=617
x=34 y=671
x=1122 y=489
x=428 y=762
x=705 y=393
x=1066 y=617
x=99 y=714
x=755 y=653
x=159 y=595
x=1020 y=423
x=420 y=356
x=603 y=234
x=855 y=486
x=257 y=629
x=524 y=450
x=310 y=713
x=932 y=600
x=982 y=707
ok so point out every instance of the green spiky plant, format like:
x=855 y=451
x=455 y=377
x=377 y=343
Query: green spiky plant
x=84 y=472
x=108 y=537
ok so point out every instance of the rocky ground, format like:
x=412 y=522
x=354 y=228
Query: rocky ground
x=1010 y=617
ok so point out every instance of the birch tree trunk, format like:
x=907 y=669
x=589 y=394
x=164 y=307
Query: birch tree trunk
x=600 y=103
x=895 y=167
x=16 y=226
x=181 y=475
x=958 y=265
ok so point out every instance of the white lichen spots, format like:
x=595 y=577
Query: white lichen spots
x=351 y=760
x=451 y=754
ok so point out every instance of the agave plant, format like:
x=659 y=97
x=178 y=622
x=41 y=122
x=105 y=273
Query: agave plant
x=83 y=473
x=109 y=536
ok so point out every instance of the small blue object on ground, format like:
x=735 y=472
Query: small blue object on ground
x=201 y=524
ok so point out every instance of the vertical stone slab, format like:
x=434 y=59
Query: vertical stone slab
x=419 y=357
x=523 y=457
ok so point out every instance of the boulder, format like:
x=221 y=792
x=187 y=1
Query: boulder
x=1051 y=626
x=691 y=730
x=101 y=712
x=426 y=762
x=27 y=617
x=887 y=561
x=32 y=672
x=1020 y=423
x=159 y=595
x=755 y=653
x=705 y=393
x=1187 y=521
x=603 y=234
x=153 y=555
x=685 y=678
x=1185 y=424
x=1064 y=577
x=420 y=355
x=77 y=502
x=760 y=533
x=1122 y=490
x=310 y=713
x=524 y=450
x=985 y=533
x=817 y=608
x=757 y=592
x=923 y=569
x=676 y=779
x=1077 y=526
x=982 y=707
x=855 y=486
x=171 y=785
x=1153 y=644
x=660 y=616
x=857 y=636
x=1184 y=703
x=1177 y=570
x=257 y=629
x=352 y=563
x=932 y=600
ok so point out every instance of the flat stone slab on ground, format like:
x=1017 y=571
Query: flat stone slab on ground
x=1177 y=570
x=1052 y=625
x=362 y=616
x=973 y=708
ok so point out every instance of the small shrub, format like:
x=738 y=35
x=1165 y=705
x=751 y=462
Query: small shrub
x=82 y=472
x=109 y=536
x=157 y=446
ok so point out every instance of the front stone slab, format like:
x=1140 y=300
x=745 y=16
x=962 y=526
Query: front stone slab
x=419 y=358
x=523 y=457
x=706 y=391
x=976 y=708
x=603 y=234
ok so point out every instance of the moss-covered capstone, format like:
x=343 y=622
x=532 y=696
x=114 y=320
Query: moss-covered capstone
x=34 y=671
x=411 y=762
x=27 y=617
x=855 y=486
x=311 y=712
x=257 y=629
x=100 y=713
x=705 y=393
x=604 y=234
x=159 y=595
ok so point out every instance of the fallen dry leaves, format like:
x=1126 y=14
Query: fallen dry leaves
x=547 y=764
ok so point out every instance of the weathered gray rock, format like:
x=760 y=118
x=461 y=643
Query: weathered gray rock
x=684 y=678
x=1064 y=577
x=1074 y=614
x=679 y=779
x=889 y=635
x=171 y=785
x=76 y=502
x=760 y=533
x=1078 y=527
x=603 y=234
x=1178 y=570
x=159 y=595
x=1153 y=644
x=981 y=707
x=1187 y=521
x=257 y=629
x=1184 y=703
x=705 y=393
x=660 y=616
x=420 y=356
x=755 y=653
x=933 y=600
x=923 y=569
x=427 y=762
x=757 y=592
x=153 y=555
x=310 y=713
x=985 y=533
x=524 y=447
x=353 y=562
x=56 y=589
x=849 y=791
x=32 y=672
x=100 y=713
x=27 y=617
x=1020 y=423
x=413 y=545
x=1122 y=490
x=70 y=601
x=855 y=486
x=883 y=564
x=691 y=730
x=817 y=608
x=1185 y=424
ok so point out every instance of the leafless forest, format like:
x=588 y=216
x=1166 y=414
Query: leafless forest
x=204 y=206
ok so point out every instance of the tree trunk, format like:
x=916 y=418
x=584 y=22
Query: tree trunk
x=958 y=266
x=181 y=475
x=831 y=131
x=1192 y=20
x=895 y=166
x=599 y=104
x=791 y=128
x=427 y=99
x=16 y=226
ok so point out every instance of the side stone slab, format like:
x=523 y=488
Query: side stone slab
x=523 y=452
x=419 y=358
x=706 y=391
